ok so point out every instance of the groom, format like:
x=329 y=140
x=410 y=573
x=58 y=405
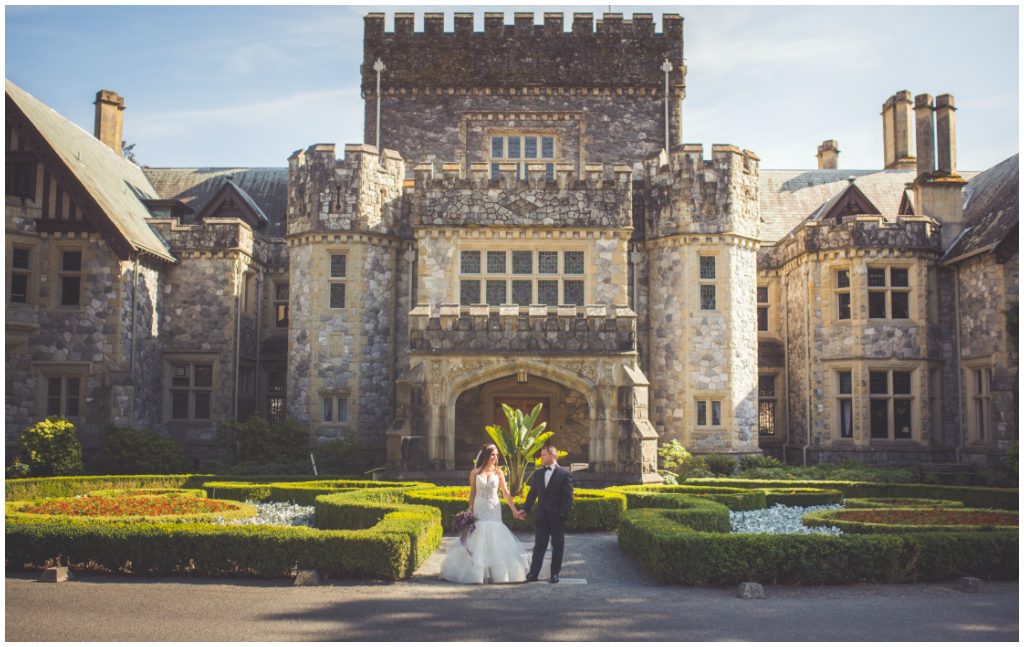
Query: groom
x=551 y=487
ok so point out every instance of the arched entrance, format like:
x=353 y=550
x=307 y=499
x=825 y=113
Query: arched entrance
x=564 y=409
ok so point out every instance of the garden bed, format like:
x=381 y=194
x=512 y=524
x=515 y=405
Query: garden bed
x=897 y=520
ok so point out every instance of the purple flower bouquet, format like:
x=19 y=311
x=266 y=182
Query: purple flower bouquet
x=464 y=524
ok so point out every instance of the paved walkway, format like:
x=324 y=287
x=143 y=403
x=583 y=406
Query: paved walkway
x=618 y=602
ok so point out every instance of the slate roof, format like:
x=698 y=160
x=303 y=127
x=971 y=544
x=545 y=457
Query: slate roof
x=991 y=209
x=267 y=188
x=116 y=185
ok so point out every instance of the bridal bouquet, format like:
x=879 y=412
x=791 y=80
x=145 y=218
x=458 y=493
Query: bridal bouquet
x=464 y=524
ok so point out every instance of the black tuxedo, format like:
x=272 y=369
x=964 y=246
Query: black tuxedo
x=553 y=504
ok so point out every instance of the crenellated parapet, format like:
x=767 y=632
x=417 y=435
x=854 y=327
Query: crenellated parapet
x=216 y=235
x=449 y=328
x=686 y=193
x=362 y=192
x=599 y=197
x=907 y=233
x=614 y=53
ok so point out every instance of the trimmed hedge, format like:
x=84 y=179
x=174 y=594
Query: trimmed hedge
x=63 y=486
x=975 y=497
x=903 y=503
x=302 y=493
x=674 y=552
x=152 y=491
x=15 y=512
x=591 y=509
x=802 y=497
x=833 y=518
x=665 y=496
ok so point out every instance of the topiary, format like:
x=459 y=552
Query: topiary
x=16 y=470
x=141 y=451
x=51 y=448
x=721 y=464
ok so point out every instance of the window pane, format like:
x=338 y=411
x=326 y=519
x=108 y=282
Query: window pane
x=573 y=262
x=71 y=262
x=547 y=147
x=70 y=287
x=899 y=277
x=514 y=151
x=338 y=268
x=281 y=292
x=497 y=147
x=470 y=262
x=179 y=375
x=845 y=382
x=497 y=293
x=702 y=413
x=876 y=277
x=547 y=292
x=522 y=262
x=707 y=267
x=282 y=315
x=842 y=278
x=203 y=375
x=547 y=262
x=716 y=413
x=879 y=418
x=844 y=305
x=573 y=292
x=71 y=386
x=179 y=405
x=19 y=258
x=53 y=396
x=469 y=292
x=979 y=410
x=530 y=148
x=522 y=292
x=879 y=383
x=766 y=386
x=901 y=418
x=549 y=172
x=337 y=295
x=762 y=318
x=900 y=305
x=328 y=412
x=766 y=417
x=495 y=174
x=762 y=295
x=846 y=418
x=901 y=382
x=202 y=400
x=876 y=305
x=19 y=288
x=496 y=262
x=342 y=410
x=707 y=297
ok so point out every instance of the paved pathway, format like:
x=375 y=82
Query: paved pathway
x=618 y=602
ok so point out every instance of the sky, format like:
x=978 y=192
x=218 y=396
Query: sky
x=248 y=85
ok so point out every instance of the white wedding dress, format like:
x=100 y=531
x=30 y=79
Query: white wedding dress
x=491 y=553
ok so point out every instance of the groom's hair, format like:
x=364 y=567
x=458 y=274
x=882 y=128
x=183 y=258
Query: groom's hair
x=550 y=448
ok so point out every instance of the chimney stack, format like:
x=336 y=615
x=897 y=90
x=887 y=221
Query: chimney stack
x=924 y=112
x=109 y=120
x=897 y=126
x=938 y=190
x=945 y=134
x=828 y=154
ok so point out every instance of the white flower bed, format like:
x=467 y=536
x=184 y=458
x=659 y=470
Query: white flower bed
x=780 y=520
x=276 y=514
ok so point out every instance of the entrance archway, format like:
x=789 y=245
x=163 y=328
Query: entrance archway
x=565 y=410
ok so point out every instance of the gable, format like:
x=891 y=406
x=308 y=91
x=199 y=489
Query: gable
x=231 y=201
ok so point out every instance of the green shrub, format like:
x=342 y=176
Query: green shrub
x=149 y=491
x=901 y=503
x=255 y=440
x=349 y=455
x=51 y=448
x=131 y=451
x=668 y=496
x=273 y=468
x=834 y=518
x=676 y=553
x=16 y=470
x=976 y=497
x=300 y=492
x=721 y=464
x=61 y=486
x=847 y=471
x=1012 y=457
x=678 y=464
x=760 y=461
x=802 y=497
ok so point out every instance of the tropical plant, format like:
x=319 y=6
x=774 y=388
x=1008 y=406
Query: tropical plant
x=519 y=443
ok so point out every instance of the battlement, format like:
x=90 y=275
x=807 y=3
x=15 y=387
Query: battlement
x=447 y=175
x=450 y=328
x=613 y=52
x=906 y=233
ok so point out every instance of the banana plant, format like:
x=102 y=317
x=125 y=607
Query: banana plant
x=519 y=443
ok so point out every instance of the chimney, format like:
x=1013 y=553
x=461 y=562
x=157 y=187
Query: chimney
x=945 y=134
x=109 y=120
x=938 y=192
x=897 y=129
x=828 y=154
x=888 y=124
x=924 y=112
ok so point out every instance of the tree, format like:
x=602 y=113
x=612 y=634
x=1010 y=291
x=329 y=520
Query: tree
x=519 y=443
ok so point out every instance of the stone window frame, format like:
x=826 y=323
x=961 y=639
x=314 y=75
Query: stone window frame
x=838 y=398
x=985 y=368
x=521 y=161
x=59 y=273
x=336 y=398
x=837 y=290
x=764 y=306
x=534 y=276
x=337 y=280
x=191 y=359
x=708 y=282
x=889 y=289
x=45 y=371
x=22 y=170
x=250 y=288
x=31 y=272
x=709 y=399
x=277 y=302
x=775 y=398
x=891 y=397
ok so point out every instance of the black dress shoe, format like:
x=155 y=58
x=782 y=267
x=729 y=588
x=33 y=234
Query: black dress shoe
x=553 y=579
x=531 y=578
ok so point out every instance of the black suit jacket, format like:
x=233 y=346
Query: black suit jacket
x=555 y=500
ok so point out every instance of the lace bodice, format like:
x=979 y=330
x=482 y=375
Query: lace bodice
x=487 y=505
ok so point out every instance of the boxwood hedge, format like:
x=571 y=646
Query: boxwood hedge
x=302 y=493
x=666 y=496
x=803 y=497
x=675 y=552
x=901 y=503
x=834 y=518
x=15 y=511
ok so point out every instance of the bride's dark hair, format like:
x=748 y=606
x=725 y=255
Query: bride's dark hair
x=485 y=453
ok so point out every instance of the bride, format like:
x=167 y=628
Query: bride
x=491 y=553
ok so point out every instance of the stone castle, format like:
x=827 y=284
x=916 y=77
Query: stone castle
x=524 y=226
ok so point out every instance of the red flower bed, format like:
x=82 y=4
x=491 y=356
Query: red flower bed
x=128 y=506
x=930 y=517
